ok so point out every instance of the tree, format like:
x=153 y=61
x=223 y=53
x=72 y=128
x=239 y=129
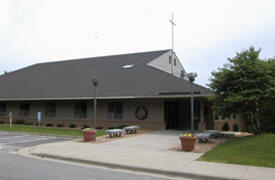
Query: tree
x=245 y=85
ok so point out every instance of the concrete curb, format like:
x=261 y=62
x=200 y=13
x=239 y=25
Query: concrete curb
x=134 y=168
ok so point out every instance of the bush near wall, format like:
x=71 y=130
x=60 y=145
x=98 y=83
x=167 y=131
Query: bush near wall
x=225 y=127
x=19 y=121
x=28 y=123
x=60 y=125
x=49 y=125
x=72 y=126
x=236 y=127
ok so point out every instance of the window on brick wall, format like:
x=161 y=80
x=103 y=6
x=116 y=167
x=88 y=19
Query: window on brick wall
x=2 y=109
x=115 y=110
x=50 y=109
x=80 y=109
x=24 y=109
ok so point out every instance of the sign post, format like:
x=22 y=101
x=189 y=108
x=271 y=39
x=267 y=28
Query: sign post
x=10 y=115
x=39 y=119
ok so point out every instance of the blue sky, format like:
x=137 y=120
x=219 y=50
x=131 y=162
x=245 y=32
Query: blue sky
x=206 y=32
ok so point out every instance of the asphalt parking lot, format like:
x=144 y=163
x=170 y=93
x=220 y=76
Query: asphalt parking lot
x=20 y=140
x=13 y=166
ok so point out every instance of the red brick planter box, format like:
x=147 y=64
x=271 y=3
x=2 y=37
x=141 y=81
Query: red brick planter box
x=188 y=143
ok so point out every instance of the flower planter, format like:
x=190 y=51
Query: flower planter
x=188 y=143
x=88 y=135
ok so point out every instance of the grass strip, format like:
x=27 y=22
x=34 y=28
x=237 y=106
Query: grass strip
x=254 y=151
x=46 y=130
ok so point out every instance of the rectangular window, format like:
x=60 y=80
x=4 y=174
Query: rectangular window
x=2 y=109
x=80 y=109
x=175 y=62
x=170 y=60
x=24 y=110
x=50 y=109
x=115 y=110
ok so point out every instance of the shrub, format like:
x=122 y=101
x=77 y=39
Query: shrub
x=99 y=127
x=60 y=125
x=72 y=126
x=269 y=123
x=236 y=127
x=111 y=128
x=249 y=129
x=20 y=121
x=28 y=123
x=38 y=124
x=225 y=127
x=2 y=122
x=85 y=126
x=49 y=125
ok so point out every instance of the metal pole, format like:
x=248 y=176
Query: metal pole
x=172 y=22
x=172 y=56
x=39 y=127
x=192 y=109
x=95 y=110
x=10 y=121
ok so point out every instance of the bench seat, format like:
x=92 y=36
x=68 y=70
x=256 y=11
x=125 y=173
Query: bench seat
x=203 y=137
x=131 y=129
x=115 y=132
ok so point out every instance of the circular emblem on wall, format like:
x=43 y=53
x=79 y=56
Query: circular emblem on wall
x=141 y=113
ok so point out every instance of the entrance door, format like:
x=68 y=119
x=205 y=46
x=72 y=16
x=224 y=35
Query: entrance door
x=171 y=114
x=185 y=115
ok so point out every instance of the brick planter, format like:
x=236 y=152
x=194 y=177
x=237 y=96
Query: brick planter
x=88 y=135
x=188 y=143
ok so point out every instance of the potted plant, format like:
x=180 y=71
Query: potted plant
x=88 y=134
x=188 y=142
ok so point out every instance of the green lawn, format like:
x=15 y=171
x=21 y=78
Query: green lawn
x=47 y=130
x=253 y=150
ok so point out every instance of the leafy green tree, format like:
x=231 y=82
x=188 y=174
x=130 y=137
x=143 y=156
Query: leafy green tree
x=245 y=85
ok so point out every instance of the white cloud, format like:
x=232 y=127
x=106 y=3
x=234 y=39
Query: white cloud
x=207 y=32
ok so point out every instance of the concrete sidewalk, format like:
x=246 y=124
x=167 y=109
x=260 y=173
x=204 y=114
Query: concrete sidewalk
x=149 y=153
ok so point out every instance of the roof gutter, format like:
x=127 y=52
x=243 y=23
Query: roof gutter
x=110 y=97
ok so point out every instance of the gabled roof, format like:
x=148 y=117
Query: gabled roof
x=71 y=79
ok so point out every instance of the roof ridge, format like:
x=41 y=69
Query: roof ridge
x=115 y=55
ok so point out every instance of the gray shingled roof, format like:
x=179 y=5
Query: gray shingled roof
x=72 y=79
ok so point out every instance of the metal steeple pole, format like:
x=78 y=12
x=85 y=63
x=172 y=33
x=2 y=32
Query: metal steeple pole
x=172 y=56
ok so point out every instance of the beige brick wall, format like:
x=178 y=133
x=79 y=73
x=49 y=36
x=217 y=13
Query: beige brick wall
x=241 y=123
x=65 y=113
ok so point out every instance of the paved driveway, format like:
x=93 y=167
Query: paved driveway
x=16 y=167
x=146 y=151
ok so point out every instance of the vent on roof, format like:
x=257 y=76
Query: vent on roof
x=127 y=66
